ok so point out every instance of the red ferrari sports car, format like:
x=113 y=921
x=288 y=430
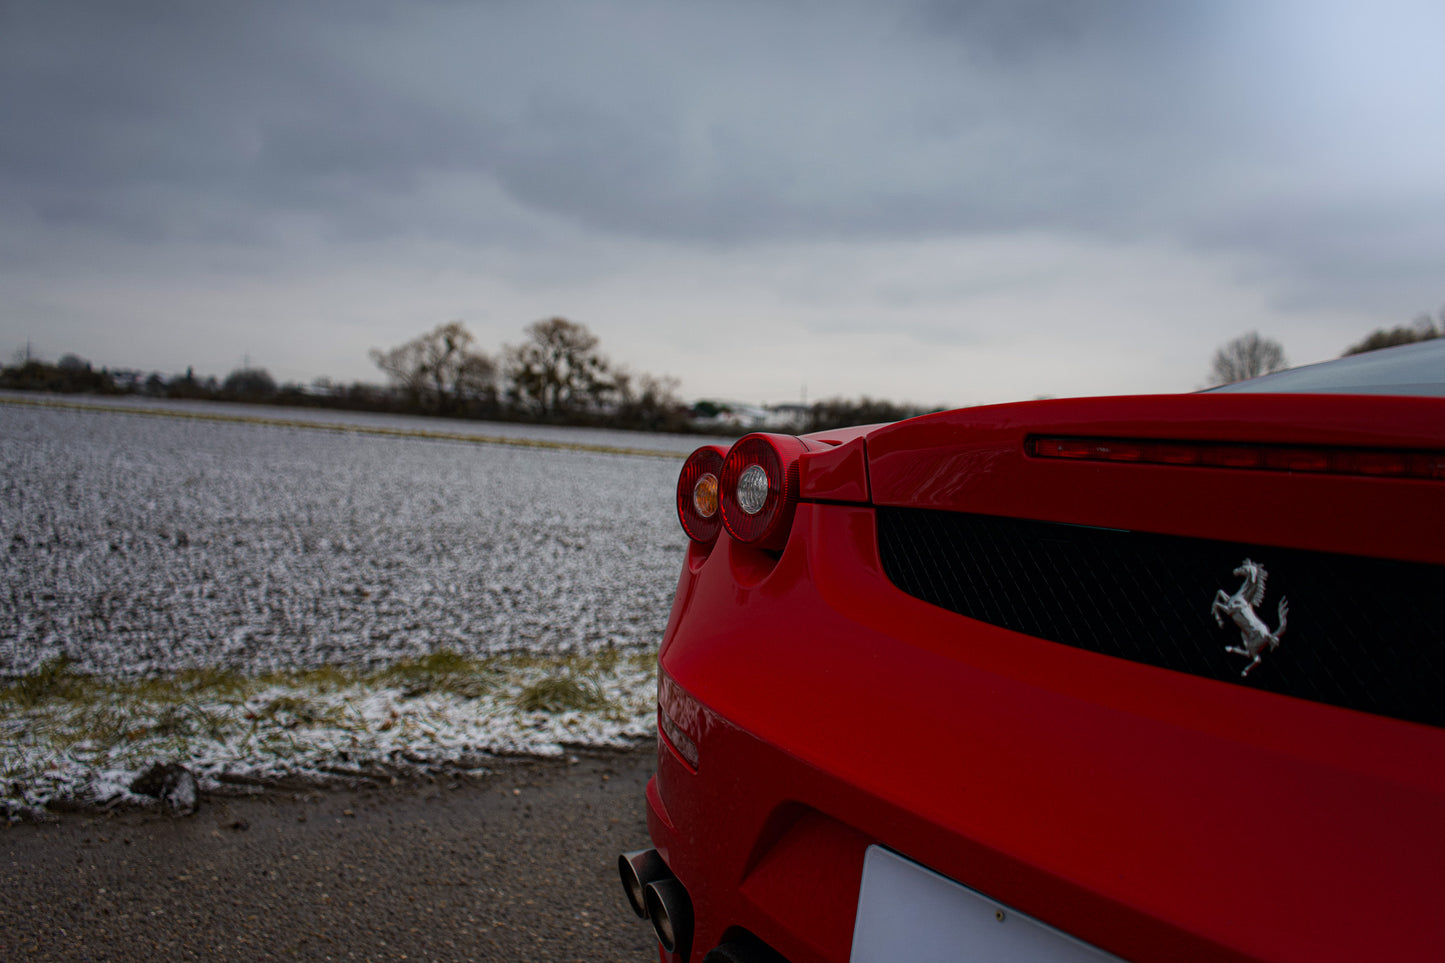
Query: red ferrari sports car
x=1138 y=678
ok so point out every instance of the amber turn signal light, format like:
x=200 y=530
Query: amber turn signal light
x=698 y=499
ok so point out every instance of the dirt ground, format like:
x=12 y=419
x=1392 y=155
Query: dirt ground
x=519 y=865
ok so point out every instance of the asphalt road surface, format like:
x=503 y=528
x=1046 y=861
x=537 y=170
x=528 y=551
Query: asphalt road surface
x=519 y=865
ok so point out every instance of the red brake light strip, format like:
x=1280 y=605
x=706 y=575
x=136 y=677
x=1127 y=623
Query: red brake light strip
x=1295 y=458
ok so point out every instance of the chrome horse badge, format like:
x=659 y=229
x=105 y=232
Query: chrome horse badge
x=1254 y=634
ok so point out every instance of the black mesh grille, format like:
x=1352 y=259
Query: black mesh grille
x=1363 y=633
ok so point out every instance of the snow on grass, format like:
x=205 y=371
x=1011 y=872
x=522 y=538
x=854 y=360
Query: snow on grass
x=521 y=433
x=79 y=738
x=261 y=600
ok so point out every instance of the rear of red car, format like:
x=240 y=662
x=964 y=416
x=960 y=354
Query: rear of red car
x=1159 y=677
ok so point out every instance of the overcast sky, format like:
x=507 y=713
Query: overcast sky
x=923 y=201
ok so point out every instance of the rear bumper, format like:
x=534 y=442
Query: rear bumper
x=1152 y=814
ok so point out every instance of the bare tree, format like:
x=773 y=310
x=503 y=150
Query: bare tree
x=475 y=379
x=558 y=368
x=648 y=401
x=439 y=370
x=1247 y=356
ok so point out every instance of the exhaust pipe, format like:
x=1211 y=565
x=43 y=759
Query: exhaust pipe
x=657 y=895
x=671 y=911
x=638 y=868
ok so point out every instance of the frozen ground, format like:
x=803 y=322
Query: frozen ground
x=660 y=442
x=250 y=598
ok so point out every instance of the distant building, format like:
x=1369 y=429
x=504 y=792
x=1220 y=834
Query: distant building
x=747 y=417
x=128 y=380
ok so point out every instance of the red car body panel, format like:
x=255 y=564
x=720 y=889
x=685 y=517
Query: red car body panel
x=973 y=460
x=1155 y=814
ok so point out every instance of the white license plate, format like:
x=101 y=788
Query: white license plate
x=907 y=912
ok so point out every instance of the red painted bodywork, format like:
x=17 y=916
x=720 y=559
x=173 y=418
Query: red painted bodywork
x=1155 y=814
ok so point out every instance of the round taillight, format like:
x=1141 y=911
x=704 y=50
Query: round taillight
x=698 y=501
x=759 y=488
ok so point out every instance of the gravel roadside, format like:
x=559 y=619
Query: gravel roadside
x=519 y=865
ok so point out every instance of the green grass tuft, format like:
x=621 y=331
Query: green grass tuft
x=226 y=685
x=561 y=693
x=444 y=670
x=444 y=661
x=52 y=681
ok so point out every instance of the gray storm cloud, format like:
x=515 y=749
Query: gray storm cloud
x=1303 y=139
x=703 y=121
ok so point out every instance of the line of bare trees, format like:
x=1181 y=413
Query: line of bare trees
x=1251 y=355
x=1423 y=328
x=556 y=374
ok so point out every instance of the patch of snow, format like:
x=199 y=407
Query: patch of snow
x=139 y=546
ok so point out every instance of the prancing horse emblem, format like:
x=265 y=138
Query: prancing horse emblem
x=1254 y=634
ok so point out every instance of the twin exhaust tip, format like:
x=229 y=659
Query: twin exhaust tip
x=657 y=895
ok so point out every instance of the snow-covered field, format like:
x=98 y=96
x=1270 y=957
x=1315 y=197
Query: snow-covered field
x=253 y=599
x=364 y=421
